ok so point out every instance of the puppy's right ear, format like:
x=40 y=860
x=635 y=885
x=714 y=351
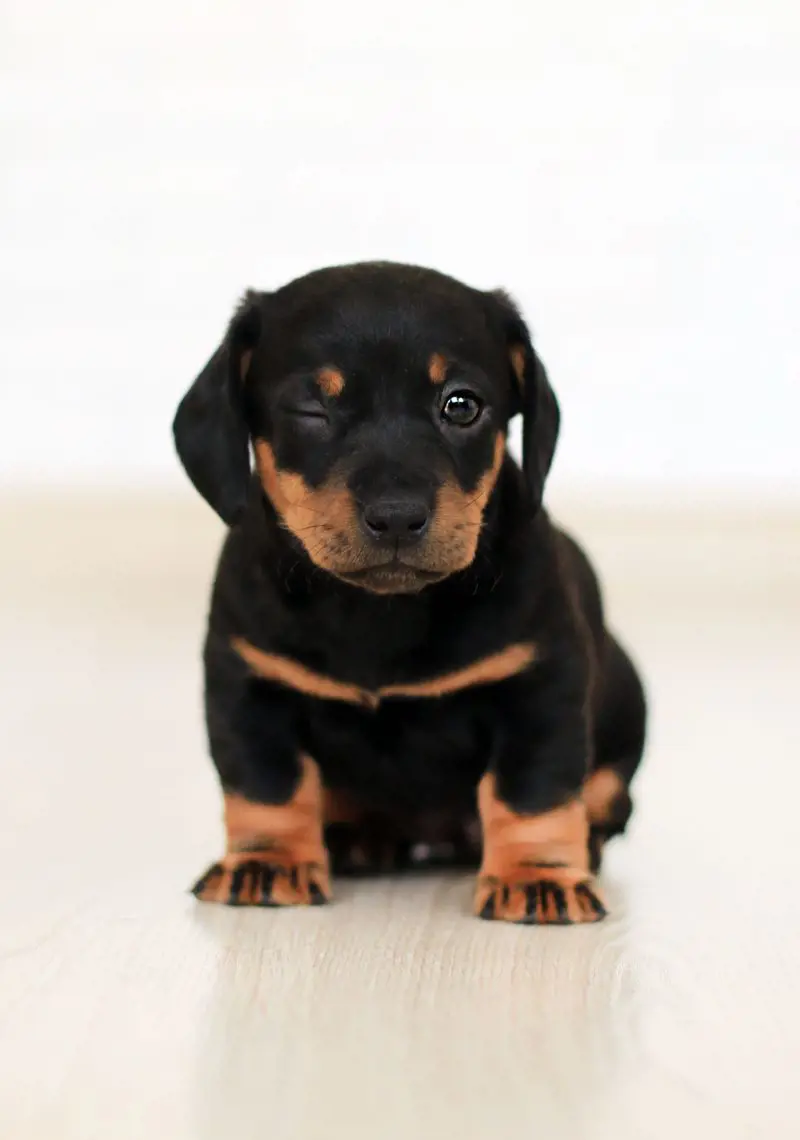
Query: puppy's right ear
x=209 y=428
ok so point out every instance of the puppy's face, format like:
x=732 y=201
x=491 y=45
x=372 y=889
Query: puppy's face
x=377 y=405
x=376 y=400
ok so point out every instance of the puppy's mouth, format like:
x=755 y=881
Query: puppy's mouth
x=395 y=577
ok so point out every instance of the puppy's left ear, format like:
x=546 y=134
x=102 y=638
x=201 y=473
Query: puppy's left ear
x=210 y=429
x=532 y=395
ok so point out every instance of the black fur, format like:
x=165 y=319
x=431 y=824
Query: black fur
x=541 y=731
x=210 y=429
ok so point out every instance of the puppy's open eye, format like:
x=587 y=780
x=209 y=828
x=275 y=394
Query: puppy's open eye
x=461 y=409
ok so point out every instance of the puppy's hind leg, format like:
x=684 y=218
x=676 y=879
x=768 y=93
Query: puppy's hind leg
x=619 y=737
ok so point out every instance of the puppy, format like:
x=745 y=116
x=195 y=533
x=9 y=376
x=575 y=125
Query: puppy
x=406 y=662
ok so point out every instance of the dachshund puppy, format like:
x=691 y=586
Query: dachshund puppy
x=406 y=661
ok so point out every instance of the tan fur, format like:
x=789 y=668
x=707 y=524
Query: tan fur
x=294 y=828
x=522 y=851
x=321 y=518
x=458 y=517
x=275 y=667
x=331 y=381
x=324 y=518
x=285 y=838
x=437 y=368
x=601 y=790
x=495 y=667
x=512 y=841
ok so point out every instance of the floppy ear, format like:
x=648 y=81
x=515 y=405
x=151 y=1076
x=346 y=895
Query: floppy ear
x=209 y=428
x=533 y=396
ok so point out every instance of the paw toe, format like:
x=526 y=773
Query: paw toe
x=256 y=882
x=544 y=902
x=590 y=903
x=208 y=884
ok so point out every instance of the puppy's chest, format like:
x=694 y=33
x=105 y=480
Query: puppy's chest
x=367 y=650
x=393 y=656
x=402 y=715
x=405 y=754
x=371 y=682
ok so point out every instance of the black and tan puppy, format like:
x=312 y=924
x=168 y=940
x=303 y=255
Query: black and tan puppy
x=405 y=660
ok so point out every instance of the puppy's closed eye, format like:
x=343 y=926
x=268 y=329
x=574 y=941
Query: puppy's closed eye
x=308 y=408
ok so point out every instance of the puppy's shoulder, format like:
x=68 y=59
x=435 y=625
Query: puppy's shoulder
x=249 y=568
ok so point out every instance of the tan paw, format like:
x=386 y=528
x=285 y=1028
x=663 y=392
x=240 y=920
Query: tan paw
x=264 y=879
x=542 y=895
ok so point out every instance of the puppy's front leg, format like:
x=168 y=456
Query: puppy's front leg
x=275 y=854
x=535 y=866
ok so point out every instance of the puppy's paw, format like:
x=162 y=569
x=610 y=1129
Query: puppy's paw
x=263 y=880
x=542 y=895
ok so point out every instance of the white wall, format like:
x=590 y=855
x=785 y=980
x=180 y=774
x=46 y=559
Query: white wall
x=631 y=171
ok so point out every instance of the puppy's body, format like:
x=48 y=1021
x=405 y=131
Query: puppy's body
x=370 y=694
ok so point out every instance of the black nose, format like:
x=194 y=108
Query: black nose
x=396 y=520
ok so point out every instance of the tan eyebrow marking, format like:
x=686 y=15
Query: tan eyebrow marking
x=330 y=380
x=274 y=667
x=437 y=368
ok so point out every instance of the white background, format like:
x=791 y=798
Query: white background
x=630 y=171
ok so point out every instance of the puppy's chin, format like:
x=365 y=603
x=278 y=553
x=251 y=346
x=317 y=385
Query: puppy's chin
x=396 y=578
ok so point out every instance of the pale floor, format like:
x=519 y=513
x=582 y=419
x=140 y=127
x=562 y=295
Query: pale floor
x=128 y=1011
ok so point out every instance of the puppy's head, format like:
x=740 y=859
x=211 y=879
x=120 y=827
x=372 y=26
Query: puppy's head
x=376 y=399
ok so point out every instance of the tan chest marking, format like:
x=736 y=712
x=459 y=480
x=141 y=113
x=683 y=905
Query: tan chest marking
x=487 y=670
x=496 y=667
x=286 y=671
